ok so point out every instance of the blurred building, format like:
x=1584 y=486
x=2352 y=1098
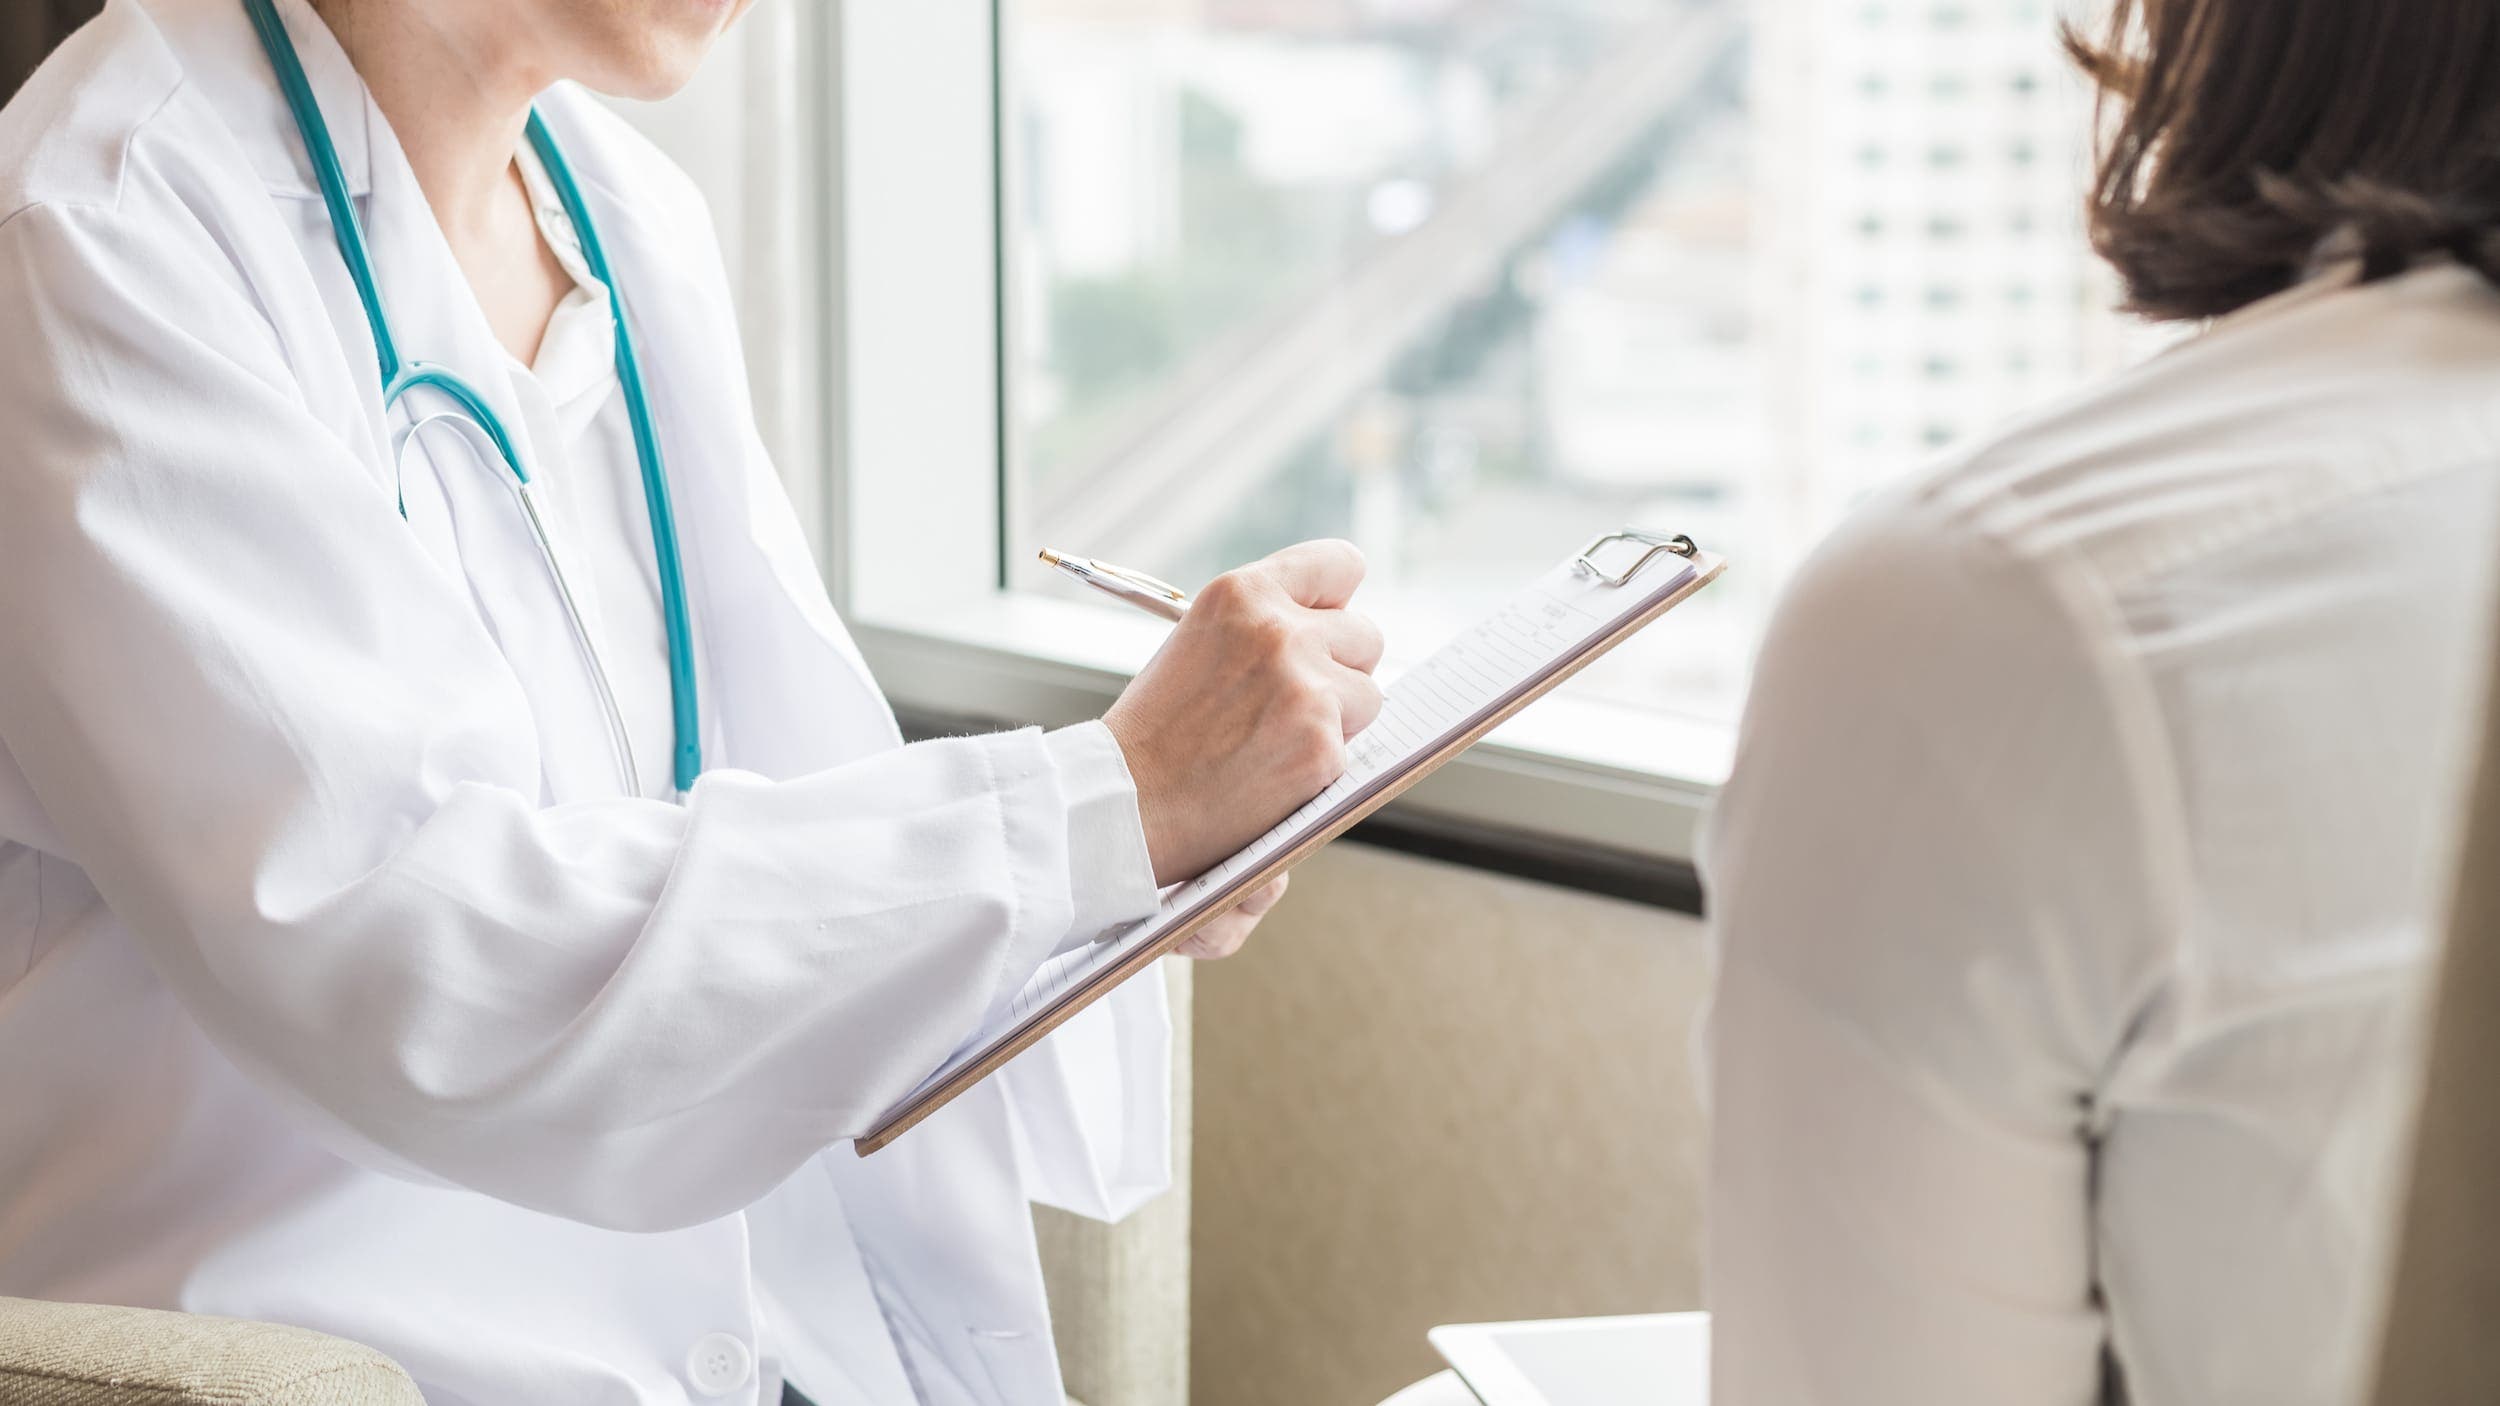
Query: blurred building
x=1845 y=239
x=1922 y=163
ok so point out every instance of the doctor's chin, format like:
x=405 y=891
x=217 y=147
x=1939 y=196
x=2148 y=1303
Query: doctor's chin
x=1249 y=702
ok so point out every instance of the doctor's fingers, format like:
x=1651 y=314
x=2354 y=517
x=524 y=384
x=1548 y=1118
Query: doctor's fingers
x=1322 y=575
x=1225 y=935
x=1358 y=698
x=1354 y=639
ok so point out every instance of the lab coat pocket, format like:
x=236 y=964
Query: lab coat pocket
x=939 y=1376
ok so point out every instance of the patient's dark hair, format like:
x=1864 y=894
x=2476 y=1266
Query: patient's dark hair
x=2239 y=138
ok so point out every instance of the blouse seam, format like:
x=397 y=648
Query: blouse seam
x=2127 y=570
x=34 y=938
x=2092 y=615
x=2089 y=615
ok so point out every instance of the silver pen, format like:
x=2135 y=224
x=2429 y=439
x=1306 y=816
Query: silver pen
x=1160 y=598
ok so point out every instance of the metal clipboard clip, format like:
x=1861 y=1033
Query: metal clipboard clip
x=1659 y=544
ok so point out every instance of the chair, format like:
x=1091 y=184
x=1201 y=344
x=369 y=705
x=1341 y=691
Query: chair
x=2439 y=1346
x=55 y=1354
x=1115 y=1340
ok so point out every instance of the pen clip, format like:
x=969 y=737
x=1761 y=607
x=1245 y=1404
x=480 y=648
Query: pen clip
x=1659 y=544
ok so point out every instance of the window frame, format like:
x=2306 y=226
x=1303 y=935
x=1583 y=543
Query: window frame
x=893 y=188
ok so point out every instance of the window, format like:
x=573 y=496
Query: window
x=1175 y=282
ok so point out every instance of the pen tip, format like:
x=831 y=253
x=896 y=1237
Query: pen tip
x=1049 y=557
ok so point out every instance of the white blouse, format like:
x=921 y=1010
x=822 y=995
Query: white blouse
x=2088 y=834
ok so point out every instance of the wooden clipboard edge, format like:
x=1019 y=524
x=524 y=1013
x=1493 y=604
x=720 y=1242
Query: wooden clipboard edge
x=930 y=1100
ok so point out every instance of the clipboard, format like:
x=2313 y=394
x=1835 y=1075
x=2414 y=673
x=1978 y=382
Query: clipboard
x=1618 y=586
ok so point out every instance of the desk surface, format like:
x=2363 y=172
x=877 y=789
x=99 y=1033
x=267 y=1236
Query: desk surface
x=1591 y=1349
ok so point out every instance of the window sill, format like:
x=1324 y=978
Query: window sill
x=1567 y=776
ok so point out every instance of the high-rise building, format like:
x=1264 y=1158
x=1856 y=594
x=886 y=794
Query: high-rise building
x=1922 y=164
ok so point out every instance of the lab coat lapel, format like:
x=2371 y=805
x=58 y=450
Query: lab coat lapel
x=321 y=326
x=223 y=59
x=804 y=700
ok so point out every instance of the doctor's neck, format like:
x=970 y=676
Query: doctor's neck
x=456 y=77
x=456 y=82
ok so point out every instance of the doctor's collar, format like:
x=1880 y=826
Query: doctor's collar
x=222 y=59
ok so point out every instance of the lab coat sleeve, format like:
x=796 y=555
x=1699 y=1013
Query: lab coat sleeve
x=1933 y=925
x=273 y=731
x=1106 y=835
x=1091 y=1105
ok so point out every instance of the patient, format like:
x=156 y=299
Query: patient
x=2091 y=821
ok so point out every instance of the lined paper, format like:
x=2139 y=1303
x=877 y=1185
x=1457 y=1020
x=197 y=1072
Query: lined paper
x=1538 y=634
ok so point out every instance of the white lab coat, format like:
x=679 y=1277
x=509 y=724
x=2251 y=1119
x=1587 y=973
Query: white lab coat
x=338 y=983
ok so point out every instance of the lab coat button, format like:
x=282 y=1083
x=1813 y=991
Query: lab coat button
x=719 y=1364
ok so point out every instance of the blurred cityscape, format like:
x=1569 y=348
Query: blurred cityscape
x=1470 y=281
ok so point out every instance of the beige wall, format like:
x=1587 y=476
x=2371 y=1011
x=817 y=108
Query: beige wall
x=1429 y=1095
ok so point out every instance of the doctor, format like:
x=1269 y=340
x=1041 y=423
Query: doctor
x=459 y=888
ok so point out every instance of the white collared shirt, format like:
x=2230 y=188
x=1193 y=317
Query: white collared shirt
x=2088 y=835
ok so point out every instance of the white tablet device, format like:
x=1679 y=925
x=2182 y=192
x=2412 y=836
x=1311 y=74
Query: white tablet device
x=1660 y=1359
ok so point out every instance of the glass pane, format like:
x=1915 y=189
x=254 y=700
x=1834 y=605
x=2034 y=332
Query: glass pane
x=1471 y=281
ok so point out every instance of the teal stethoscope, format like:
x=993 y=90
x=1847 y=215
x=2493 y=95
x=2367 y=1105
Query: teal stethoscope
x=400 y=377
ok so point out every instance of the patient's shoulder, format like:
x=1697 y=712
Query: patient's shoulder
x=2283 y=415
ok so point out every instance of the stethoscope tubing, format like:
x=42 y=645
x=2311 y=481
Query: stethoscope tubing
x=620 y=740
x=400 y=377
x=687 y=761
x=611 y=713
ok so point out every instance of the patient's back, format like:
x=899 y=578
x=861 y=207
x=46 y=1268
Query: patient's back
x=2089 y=836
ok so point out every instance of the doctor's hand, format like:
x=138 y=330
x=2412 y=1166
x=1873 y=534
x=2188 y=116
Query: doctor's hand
x=1244 y=713
x=1224 y=936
